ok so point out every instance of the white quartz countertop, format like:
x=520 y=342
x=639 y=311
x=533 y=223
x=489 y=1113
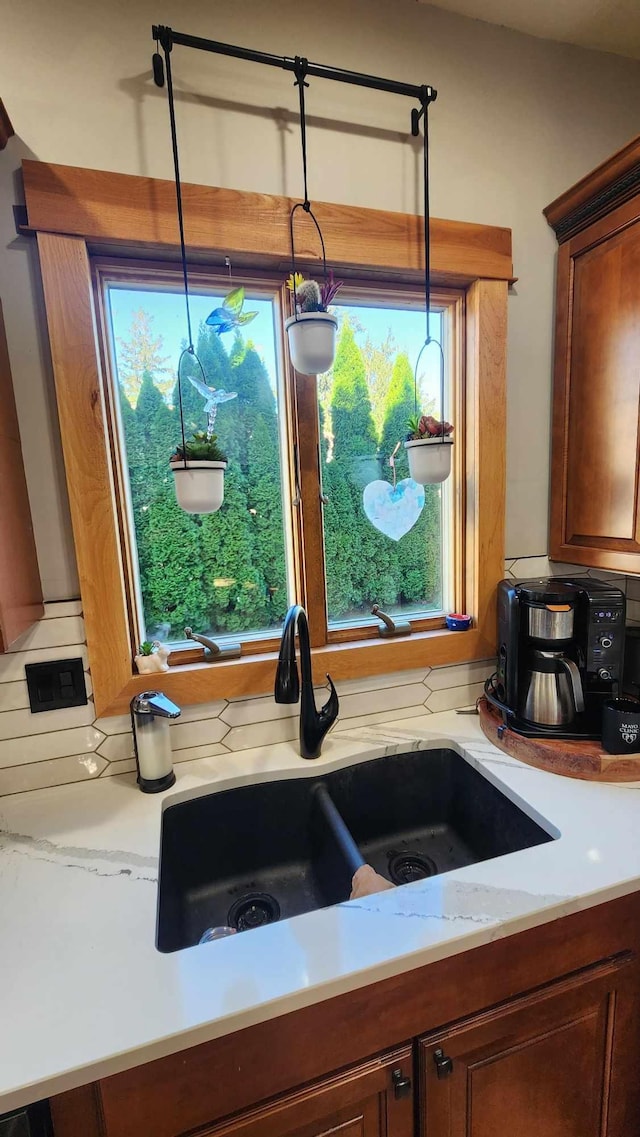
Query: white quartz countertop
x=84 y=993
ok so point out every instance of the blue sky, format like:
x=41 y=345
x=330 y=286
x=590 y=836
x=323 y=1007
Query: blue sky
x=167 y=308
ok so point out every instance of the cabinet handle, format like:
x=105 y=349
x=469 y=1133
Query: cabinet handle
x=444 y=1064
x=401 y=1084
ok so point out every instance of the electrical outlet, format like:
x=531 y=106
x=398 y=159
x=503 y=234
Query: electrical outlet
x=57 y=684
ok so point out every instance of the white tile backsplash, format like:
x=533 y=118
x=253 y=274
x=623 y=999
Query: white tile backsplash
x=38 y=775
x=62 y=608
x=12 y=664
x=56 y=747
x=14 y=696
x=51 y=632
x=460 y=674
x=57 y=744
x=18 y=724
x=449 y=698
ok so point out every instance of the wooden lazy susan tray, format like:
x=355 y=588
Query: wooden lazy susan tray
x=566 y=756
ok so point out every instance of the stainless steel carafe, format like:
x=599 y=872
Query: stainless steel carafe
x=553 y=690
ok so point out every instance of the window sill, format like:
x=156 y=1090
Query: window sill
x=253 y=675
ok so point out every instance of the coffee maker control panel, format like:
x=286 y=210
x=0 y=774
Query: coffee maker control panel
x=605 y=638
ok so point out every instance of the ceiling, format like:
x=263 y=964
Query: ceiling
x=607 y=25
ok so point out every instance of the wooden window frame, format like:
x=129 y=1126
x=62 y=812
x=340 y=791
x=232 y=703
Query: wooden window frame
x=77 y=213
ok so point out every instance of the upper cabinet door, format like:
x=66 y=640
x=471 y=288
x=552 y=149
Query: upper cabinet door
x=20 y=589
x=594 y=514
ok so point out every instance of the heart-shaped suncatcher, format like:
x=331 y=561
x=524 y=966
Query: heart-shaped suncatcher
x=393 y=510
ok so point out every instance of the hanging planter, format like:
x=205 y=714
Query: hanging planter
x=311 y=332
x=198 y=472
x=429 y=449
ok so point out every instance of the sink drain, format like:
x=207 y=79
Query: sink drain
x=253 y=910
x=405 y=867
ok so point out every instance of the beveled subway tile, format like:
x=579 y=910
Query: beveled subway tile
x=453 y=697
x=381 y=682
x=247 y=711
x=633 y=609
x=633 y=588
x=51 y=633
x=127 y=766
x=398 y=715
x=197 y=711
x=209 y=750
x=54 y=609
x=14 y=696
x=460 y=674
x=41 y=747
x=114 y=724
x=184 y=735
x=262 y=734
x=22 y=724
x=38 y=775
x=370 y=702
x=12 y=665
x=117 y=747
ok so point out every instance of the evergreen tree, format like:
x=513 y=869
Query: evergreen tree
x=399 y=404
x=353 y=430
x=139 y=354
x=174 y=594
x=235 y=589
x=265 y=505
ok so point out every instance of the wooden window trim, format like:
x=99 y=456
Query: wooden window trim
x=77 y=211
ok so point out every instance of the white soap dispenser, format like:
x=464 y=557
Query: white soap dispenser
x=150 y=715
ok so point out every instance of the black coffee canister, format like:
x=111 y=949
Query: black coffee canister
x=621 y=726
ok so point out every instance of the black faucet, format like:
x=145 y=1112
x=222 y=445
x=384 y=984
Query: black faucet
x=314 y=724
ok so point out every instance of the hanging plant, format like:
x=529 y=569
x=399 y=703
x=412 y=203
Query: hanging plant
x=312 y=330
x=429 y=441
x=198 y=465
x=198 y=468
x=428 y=447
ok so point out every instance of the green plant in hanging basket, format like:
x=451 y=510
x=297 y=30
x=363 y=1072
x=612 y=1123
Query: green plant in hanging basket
x=312 y=330
x=424 y=427
x=311 y=296
x=199 y=448
x=428 y=447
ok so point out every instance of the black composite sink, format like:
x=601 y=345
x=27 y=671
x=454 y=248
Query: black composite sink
x=248 y=856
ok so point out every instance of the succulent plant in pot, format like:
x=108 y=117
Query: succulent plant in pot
x=152 y=656
x=312 y=330
x=428 y=447
x=198 y=469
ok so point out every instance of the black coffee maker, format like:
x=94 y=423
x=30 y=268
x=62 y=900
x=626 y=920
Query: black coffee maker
x=560 y=655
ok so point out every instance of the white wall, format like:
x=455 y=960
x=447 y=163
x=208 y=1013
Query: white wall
x=517 y=121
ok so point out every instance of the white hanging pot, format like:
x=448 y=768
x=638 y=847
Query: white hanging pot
x=199 y=486
x=429 y=459
x=312 y=341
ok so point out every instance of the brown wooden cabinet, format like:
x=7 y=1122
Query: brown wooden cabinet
x=595 y=474
x=374 y=1099
x=20 y=589
x=543 y=1040
x=541 y=1065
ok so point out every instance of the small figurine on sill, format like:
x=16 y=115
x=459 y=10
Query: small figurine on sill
x=152 y=656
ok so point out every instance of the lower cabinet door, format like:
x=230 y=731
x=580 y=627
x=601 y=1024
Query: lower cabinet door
x=374 y=1099
x=555 y=1063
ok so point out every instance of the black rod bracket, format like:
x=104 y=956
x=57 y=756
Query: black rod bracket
x=167 y=37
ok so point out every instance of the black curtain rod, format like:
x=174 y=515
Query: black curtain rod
x=424 y=94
